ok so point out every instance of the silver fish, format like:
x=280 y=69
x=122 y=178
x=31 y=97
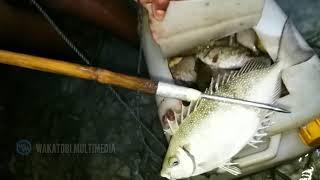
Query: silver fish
x=215 y=132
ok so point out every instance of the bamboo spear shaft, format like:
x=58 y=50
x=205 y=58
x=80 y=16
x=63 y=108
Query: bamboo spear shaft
x=108 y=77
x=80 y=71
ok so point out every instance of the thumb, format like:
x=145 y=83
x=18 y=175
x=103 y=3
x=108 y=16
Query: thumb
x=159 y=8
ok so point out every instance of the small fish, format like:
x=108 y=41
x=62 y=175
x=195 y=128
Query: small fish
x=214 y=132
x=205 y=73
x=225 y=57
x=183 y=70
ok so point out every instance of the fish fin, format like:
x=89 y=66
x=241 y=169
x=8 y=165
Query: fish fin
x=168 y=131
x=182 y=113
x=277 y=91
x=172 y=129
x=231 y=75
x=220 y=80
x=258 y=137
x=191 y=107
x=268 y=114
x=197 y=104
x=261 y=131
x=255 y=142
x=173 y=126
x=254 y=64
x=232 y=169
x=266 y=122
x=231 y=164
x=235 y=74
x=187 y=110
x=292 y=48
x=217 y=83
x=211 y=87
x=207 y=91
x=253 y=145
x=224 y=79
x=176 y=118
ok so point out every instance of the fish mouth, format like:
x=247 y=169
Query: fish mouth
x=165 y=174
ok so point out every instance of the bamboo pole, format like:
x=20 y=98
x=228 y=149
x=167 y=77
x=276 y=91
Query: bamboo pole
x=76 y=70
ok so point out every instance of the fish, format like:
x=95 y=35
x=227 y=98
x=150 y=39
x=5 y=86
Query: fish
x=213 y=57
x=230 y=52
x=205 y=73
x=226 y=53
x=225 y=57
x=183 y=70
x=214 y=132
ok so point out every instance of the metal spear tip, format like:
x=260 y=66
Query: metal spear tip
x=279 y=109
x=245 y=102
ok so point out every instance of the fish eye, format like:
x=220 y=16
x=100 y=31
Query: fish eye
x=174 y=162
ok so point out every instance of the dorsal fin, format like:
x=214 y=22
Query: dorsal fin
x=220 y=80
x=223 y=78
x=254 y=64
x=277 y=92
x=217 y=82
x=187 y=110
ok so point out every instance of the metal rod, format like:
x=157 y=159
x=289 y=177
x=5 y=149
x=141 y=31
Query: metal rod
x=245 y=102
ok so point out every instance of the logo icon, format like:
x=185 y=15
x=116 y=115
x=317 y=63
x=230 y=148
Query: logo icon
x=23 y=147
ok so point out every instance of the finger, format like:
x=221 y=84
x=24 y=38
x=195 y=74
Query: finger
x=159 y=8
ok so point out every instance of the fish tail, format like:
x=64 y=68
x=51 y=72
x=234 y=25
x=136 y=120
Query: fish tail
x=292 y=47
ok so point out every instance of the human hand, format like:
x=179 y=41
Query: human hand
x=159 y=7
